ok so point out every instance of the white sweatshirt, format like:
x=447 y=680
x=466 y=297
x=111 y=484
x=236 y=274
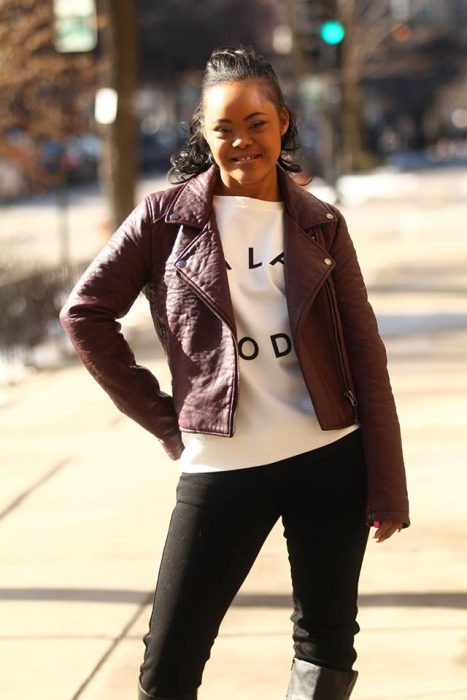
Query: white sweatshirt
x=275 y=415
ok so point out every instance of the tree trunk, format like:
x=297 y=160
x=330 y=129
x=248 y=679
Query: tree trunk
x=119 y=71
x=350 y=103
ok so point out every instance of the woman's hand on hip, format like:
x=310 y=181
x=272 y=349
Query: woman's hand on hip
x=386 y=529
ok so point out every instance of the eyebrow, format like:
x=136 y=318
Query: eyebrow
x=253 y=114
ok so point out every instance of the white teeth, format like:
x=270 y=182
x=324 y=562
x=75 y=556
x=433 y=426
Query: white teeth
x=246 y=158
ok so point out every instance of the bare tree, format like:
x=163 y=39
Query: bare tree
x=352 y=155
x=43 y=94
x=422 y=45
x=409 y=41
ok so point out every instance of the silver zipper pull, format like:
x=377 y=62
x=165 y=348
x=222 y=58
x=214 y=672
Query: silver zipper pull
x=351 y=397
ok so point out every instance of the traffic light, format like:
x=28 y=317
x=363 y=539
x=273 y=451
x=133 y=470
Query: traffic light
x=320 y=32
x=332 y=32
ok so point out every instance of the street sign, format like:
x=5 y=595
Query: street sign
x=75 y=25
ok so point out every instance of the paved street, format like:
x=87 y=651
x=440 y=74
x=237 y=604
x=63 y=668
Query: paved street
x=33 y=230
x=86 y=493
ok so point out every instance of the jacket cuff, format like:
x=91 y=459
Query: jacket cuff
x=388 y=515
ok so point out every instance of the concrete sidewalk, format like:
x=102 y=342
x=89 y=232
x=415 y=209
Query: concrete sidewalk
x=87 y=494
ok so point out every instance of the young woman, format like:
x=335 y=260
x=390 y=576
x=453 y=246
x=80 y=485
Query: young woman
x=281 y=406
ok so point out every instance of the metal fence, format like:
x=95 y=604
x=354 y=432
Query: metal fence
x=29 y=307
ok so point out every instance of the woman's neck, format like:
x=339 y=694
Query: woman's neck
x=268 y=191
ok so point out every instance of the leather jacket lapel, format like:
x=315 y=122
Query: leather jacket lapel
x=306 y=267
x=202 y=265
x=201 y=261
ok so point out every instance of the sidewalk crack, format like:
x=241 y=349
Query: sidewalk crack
x=19 y=499
x=123 y=634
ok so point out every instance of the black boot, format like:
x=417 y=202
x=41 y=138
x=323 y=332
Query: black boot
x=142 y=695
x=311 y=682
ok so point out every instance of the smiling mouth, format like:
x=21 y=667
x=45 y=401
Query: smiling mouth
x=244 y=159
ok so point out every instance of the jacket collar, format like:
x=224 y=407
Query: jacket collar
x=193 y=205
x=306 y=263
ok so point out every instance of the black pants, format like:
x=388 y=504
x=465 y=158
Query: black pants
x=217 y=528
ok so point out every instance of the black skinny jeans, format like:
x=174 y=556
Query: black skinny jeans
x=217 y=528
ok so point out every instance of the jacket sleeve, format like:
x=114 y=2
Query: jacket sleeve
x=105 y=292
x=387 y=489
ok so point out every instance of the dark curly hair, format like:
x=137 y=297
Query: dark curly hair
x=227 y=65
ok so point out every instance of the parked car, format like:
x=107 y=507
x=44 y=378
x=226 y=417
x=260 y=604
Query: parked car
x=76 y=158
x=156 y=148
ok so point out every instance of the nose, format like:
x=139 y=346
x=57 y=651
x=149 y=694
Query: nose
x=242 y=140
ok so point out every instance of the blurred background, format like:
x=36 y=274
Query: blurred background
x=94 y=99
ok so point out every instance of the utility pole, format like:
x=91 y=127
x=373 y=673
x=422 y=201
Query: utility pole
x=115 y=107
x=75 y=31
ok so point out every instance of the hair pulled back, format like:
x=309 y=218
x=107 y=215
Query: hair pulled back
x=227 y=65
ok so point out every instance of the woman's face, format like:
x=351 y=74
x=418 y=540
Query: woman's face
x=243 y=129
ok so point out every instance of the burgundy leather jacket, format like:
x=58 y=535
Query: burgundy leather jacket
x=170 y=248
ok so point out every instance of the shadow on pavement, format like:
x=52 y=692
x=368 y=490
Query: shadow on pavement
x=452 y=599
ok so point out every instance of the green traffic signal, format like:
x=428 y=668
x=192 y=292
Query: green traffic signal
x=332 y=32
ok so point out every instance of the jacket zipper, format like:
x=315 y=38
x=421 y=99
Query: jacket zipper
x=232 y=425
x=348 y=393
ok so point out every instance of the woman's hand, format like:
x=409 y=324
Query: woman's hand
x=386 y=529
